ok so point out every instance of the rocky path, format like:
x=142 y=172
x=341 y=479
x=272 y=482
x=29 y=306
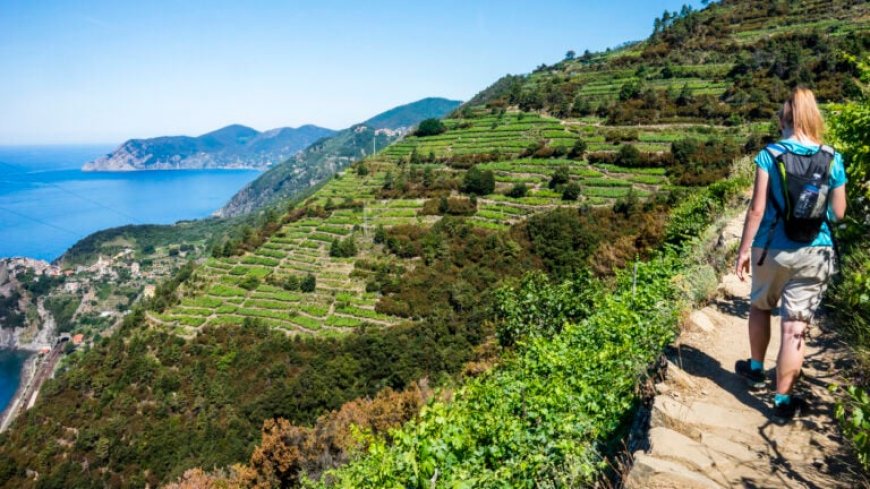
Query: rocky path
x=706 y=430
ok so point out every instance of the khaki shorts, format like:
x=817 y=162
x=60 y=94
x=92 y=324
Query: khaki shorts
x=798 y=277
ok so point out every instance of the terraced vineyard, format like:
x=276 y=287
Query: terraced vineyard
x=690 y=93
x=230 y=290
x=506 y=136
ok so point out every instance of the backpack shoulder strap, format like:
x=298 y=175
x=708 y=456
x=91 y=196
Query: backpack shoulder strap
x=775 y=150
x=827 y=149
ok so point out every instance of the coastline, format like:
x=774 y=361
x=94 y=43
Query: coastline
x=26 y=377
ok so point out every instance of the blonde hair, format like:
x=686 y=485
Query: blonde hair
x=801 y=113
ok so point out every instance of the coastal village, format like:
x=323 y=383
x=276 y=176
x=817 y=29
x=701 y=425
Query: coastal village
x=54 y=309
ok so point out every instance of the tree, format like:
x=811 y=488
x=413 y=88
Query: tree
x=415 y=157
x=629 y=156
x=560 y=177
x=570 y=55
x=380 y=234
x=344 y=248
x=309 y=283
x=519 y=190
x=685 y=98
x=478 y=182
x=291 y=282
x=578 y=150
x=581 y=106
x=650 y=98
x=362 y=170
x=430 y=127
x=250 y=282
x=571 y=192
x=630 y=90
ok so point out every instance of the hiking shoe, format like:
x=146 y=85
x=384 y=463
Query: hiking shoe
x=787 y=411
x=754 y=378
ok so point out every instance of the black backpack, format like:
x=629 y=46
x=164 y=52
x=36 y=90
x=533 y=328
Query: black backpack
x=804 y=182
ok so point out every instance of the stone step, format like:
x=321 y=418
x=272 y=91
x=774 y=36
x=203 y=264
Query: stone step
x=700 y=320
x=732 y=287
x=696 y=417
x=650 y=472
x=668 y=444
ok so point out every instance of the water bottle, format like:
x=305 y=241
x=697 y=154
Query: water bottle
x=806 y=202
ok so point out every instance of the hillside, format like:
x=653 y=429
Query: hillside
x=234 y=146
x=409 y=115
x=331 y=154
x=518 y=273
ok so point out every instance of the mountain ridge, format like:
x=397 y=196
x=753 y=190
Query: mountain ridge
x=328 y=155
x=231 y=147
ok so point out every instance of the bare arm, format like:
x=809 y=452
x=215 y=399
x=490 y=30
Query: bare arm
x=753 y=220
x=838 y=202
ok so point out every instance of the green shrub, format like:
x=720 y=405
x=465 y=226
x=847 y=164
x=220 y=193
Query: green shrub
x=853 y=414
x=343 y=248
x=561 y=176
x=628 y=156
x=538 y=307
x=540 y=417
x=449 y=206
x=701 y=163
x=430 y=127
x=250 y=282
x=850 y=294
x=578 y=149
x=698 y=209
x=571 y=192
x=309 y=283
x=380 y=234
x=518 y=191
x=478 y=182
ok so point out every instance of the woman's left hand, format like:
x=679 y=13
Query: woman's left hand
x=742 y=267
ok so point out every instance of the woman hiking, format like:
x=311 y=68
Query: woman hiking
x=787 y=242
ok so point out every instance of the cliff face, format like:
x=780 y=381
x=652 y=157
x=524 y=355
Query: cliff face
x=25 y=324
x=231 y=147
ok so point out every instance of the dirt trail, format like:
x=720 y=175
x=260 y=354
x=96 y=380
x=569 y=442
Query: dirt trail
x=707 y=430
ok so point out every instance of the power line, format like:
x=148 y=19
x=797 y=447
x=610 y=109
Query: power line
x=40 y=221
x=86 y=199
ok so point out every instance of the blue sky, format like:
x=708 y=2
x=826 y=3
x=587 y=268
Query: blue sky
x=104 y=71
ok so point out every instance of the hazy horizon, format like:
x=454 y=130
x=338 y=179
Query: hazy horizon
x=101 y=72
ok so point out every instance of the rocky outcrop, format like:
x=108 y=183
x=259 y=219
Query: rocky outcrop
x=33 y=334
x=232 y=147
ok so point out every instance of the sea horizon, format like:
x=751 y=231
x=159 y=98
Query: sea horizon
x=47 y=203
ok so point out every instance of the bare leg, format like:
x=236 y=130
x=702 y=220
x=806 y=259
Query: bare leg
x=759 y=332
x=791 y=355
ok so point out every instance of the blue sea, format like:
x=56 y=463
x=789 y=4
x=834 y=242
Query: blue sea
x=47 y=204
x=11 y=362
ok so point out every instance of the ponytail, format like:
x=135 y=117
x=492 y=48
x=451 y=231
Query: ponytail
x=802 y=113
